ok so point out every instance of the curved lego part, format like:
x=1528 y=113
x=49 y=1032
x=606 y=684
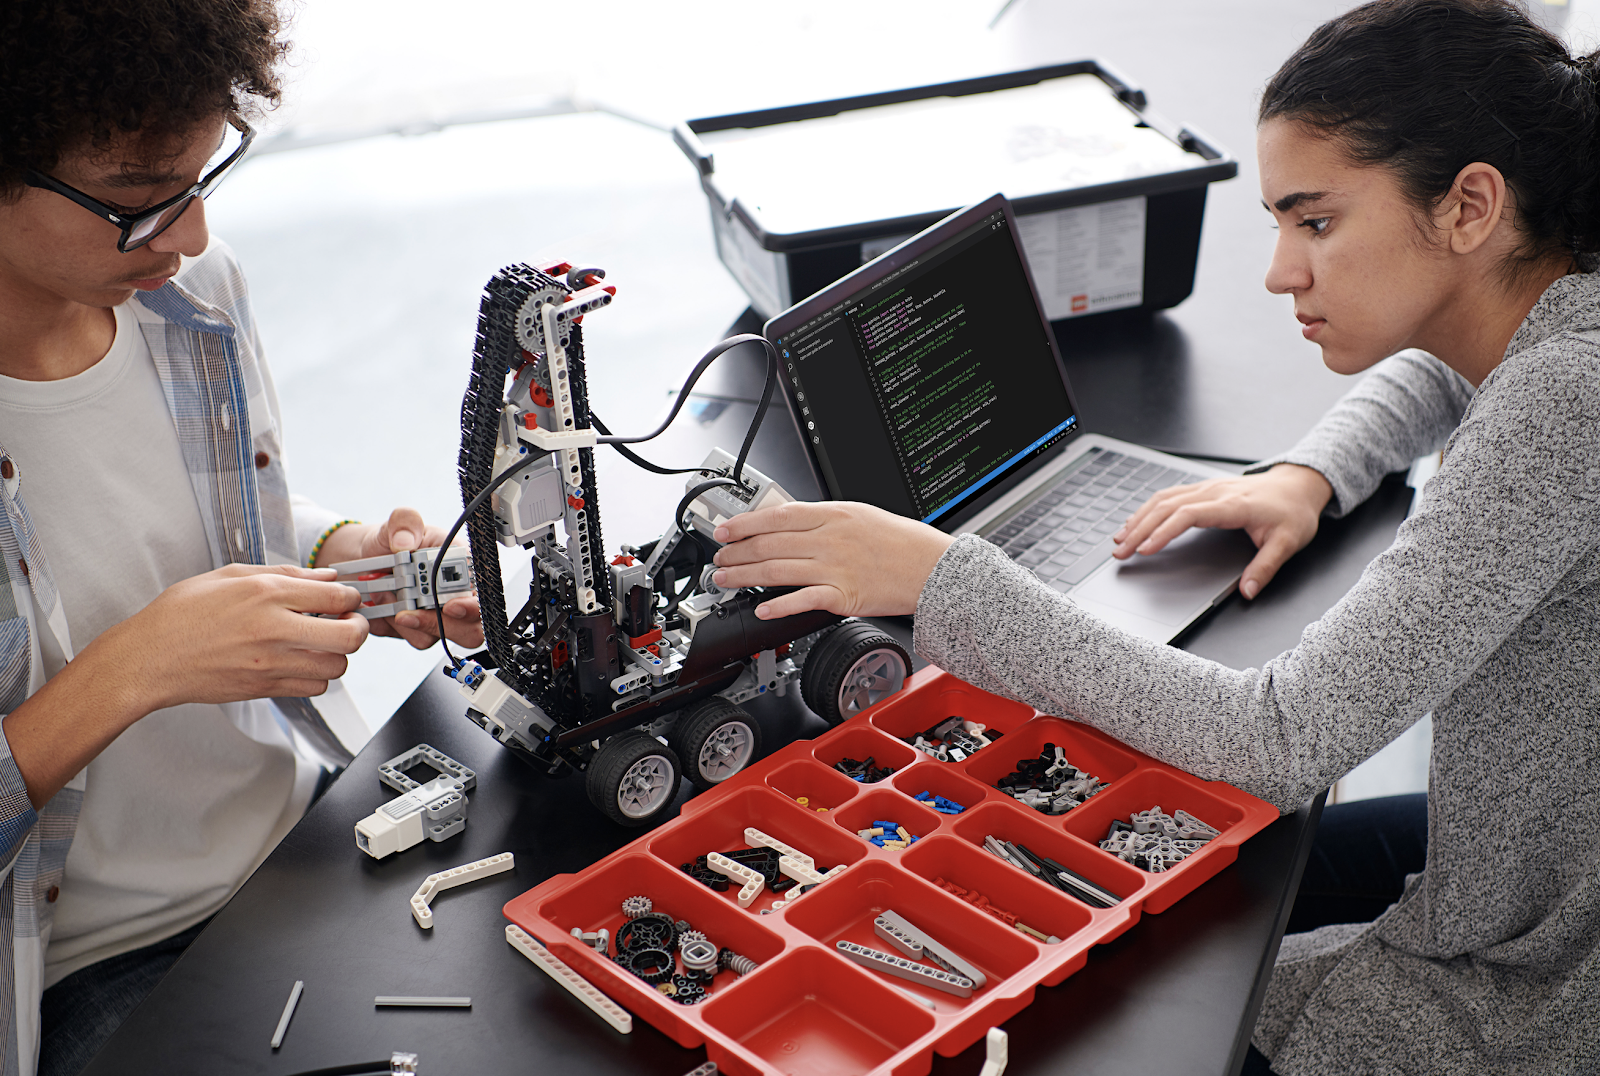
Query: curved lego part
x=571 y=981
x=998 y=1049
x=435 y=884
x=751 y=880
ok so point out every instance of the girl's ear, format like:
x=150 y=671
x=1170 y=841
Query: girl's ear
x=1474 y=208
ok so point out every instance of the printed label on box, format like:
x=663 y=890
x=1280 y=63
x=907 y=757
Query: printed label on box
x=1087 y=259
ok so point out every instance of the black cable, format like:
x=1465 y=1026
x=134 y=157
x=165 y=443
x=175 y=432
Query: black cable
x=761 y=411
x=633 y=457
x=360 y=1068
x=455 y=528
x=695 y=491
x=694 y=375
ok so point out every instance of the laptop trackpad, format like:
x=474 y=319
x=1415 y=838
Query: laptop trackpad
x=1173 y=586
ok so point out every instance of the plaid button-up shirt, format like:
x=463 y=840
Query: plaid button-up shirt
x=202 y=335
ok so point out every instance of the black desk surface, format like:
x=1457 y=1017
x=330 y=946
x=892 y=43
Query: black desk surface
x=1175 y=995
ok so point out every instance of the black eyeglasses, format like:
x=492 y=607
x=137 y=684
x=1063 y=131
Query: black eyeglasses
x=141 y=227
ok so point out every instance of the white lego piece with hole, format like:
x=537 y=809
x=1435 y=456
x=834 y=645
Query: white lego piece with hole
x=751 y=880
x=575 y=984
x=753 y=836
x=800 y=871
x=435 y=884
x=997 y=1046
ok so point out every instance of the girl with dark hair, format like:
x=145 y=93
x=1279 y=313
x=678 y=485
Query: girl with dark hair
x=1433 y=167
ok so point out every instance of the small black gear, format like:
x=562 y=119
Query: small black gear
x=652 y=965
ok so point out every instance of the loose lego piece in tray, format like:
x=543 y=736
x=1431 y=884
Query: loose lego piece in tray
x=862 y=770
x=953 y=739
x=1155 y=841
x=770 y=864
x=1049 y=784
x=888 y=834
x=938 y=803
x=981 y=902
x=1050 y=872
x=949 y=972
x=805 y=801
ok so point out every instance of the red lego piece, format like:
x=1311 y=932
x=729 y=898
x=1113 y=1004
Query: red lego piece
x=651 y=636
x=576 y=501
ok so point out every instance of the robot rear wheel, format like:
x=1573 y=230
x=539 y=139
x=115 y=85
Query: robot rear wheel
x=714 y=739
x=854 y=666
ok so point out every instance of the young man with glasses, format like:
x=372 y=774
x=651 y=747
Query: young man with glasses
x=157 y=571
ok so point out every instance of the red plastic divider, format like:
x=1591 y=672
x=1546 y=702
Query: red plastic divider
x=808 y=1011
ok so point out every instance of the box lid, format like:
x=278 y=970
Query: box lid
x=854 y=168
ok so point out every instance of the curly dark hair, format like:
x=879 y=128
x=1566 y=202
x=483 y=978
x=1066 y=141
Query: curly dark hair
x=76 y=73
x=1426 y=87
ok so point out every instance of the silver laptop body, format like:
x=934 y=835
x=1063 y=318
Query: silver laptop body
x=929 y=383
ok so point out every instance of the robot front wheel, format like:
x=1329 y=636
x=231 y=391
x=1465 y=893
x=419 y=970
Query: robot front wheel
x=633 y=779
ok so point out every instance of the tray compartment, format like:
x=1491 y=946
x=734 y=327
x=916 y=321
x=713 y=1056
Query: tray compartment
x=1031 y=901
x=1085 y=749
x=943 y=781
x=860 y=741
x=775 y=815
x=890 y=806
x=845 y=912
x=1012 y=823
x=1172 y=791
x=822 y=785
x=951 y=697
x=818 y=1015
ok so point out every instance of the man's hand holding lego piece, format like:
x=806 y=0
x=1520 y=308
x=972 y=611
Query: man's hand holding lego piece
x=404 y=531
x=851 y=559
x=228 y=635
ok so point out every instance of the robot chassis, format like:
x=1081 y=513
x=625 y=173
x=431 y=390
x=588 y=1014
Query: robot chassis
x=632 y=669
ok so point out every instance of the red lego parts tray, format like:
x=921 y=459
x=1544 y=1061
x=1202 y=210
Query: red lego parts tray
x=1007 y=886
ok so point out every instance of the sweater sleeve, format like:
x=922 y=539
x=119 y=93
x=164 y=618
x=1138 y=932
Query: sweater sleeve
x=1405 y=408
x=1515 y=507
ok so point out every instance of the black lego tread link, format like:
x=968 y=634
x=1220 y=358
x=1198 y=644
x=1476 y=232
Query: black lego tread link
x=496 y=354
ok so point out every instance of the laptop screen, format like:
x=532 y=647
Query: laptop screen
x=928 y=376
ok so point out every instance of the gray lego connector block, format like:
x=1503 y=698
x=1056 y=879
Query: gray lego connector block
x=436 y=810
x=409 y=577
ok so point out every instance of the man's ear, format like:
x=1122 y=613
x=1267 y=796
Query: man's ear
x=1473 y=210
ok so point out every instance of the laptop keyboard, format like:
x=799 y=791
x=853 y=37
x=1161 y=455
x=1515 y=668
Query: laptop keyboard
x=1065 y=534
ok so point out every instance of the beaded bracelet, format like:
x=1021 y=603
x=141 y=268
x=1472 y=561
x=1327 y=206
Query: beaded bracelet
x=311 y=561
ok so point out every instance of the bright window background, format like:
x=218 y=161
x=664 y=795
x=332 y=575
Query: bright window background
x=381 y=207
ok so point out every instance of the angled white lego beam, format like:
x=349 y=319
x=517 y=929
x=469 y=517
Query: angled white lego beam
x=435 y=884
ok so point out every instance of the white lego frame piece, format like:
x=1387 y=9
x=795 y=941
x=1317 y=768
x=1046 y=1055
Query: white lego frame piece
x=575 y=984
x=750 y=879
x=435 y=884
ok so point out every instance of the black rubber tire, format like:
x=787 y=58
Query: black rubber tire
x=828 y=683
x=614 y=760
x=699 y=723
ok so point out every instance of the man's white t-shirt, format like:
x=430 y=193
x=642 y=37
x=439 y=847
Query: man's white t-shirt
x=182 y=806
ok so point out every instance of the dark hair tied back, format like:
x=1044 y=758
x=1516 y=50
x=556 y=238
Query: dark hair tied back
x=1426 y=87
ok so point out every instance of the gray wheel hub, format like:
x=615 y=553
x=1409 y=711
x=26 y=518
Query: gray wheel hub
x=875 y=676
x=645 y=786
x=726 y=751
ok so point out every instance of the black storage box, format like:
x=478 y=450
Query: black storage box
x=1109 y=196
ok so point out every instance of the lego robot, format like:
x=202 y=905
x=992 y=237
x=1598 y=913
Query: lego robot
x=629 y=668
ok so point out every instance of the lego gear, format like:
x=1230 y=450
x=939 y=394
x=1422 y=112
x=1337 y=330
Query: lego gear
x=687 y=936
x=652 y=965
x=653 y=930
x=634 y=907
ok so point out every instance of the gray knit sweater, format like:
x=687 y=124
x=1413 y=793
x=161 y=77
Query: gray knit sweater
x=1484 y=612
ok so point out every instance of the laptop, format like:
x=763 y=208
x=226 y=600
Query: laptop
x=928 y=383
